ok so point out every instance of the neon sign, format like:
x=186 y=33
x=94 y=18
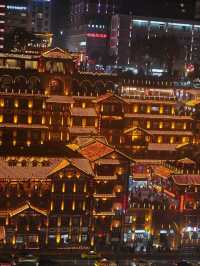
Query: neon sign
x=97 y=35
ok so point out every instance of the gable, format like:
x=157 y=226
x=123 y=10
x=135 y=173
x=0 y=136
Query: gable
x=110 y=98
x=57 y=53
x=27 y=206
x=81 y=164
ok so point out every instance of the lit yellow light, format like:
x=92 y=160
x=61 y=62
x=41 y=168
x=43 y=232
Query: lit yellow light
x=1 y=118
x=73 y=205
x=2 y=102
x=58 y=239
x=161 y=110
x=148 y=124
x=30 y=104
x=14 y=142
x=52 y=188
x=84 y=205
x=43 y=105
x=74 y=188
x=51 y=206
x=29 y=119
x=135 y=108
x=83 y=105
x=43 y=120
x=16 y=103
x=159 y=139
x=28 y=143
x=161 y=125
x=148 y=109
x=13 y=240
x=85 y=188
x=172 y=111
x=184 y=126
x=15 y=119
x=171 y=140
x=62 y=205
x=173 y=125
x=63 y=188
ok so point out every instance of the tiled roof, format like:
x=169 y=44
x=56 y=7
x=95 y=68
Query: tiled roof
x=171 y=132
x=24 y=207
x=161 y=147
x=33 y=126
x=78 y=111
x=96 y=150
x=82 y=164
x=86 y=140
x=153 y=101
x=79 y=163
x=187 y=180
x=109 y=95
x=83 y=130
x=157 y=116
x=26 y=172
x=60 y=99
x=186 y=161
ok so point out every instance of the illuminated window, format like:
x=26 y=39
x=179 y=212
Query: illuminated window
x=171 y=140
x=161 y=109
x=185 y=139
x=173 y=110
x=30 y=104
x=1 y=118
x=74 y=188
x=84 y=205
x=83 y=105
x=15 y=119
x=185 y=126
x=43 y=120
x=51 y=206
x=173 y=125
x=148 y=109
x=2 y=102
x=16 y=103
x=148 y=124
x=63 y=187
x=135 y=108
x=160 y=139
x=161 y=125
x=73 y=205
x=62 y=205
x=29 y=119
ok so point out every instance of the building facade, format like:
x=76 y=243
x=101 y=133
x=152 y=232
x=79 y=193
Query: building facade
x=89 y=193
x=89 y=28
x=134 y=41
x=2 y=28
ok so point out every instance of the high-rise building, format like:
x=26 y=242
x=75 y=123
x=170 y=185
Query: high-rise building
x=135 y=40
x=40 y=14
x=2 y=24
x=17 y=16
x=89 y=23
x=32 y=15
x=179 y=9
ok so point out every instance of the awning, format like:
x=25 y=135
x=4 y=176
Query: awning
x=186 y=180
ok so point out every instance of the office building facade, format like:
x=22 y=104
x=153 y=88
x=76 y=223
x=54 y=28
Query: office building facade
x=134 y=41
x=2 y=24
